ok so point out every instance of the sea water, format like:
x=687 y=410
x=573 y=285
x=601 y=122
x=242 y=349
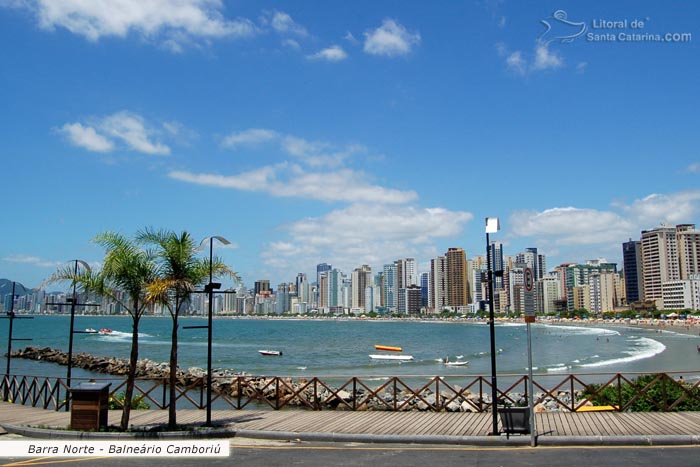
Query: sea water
x=341 y=347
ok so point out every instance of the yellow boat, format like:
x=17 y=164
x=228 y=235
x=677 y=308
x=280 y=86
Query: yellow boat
x=388 y=347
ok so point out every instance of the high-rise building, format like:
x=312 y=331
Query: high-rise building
x=457 y=279
x=496 y=258
x=688 y=250
x=389 y=289
x=334 y=288
x=438 y=283
x=303 y=289
x=632 y=264
x=549 y=292
x=283 y=298
x=409 y=300
x=361 y=278
x=424 y=289
x=660 y=261
x=262 y=287
x=578 y=275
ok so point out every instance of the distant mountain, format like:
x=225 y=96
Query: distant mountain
x=6 y=288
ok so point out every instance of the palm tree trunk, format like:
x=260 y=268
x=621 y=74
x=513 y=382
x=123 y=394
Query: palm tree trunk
x=172 y=406
x=131 y=376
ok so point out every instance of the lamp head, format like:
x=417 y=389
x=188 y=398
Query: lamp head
x=492 y=225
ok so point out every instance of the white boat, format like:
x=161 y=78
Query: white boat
x=271 y=353
x=391 y=357
x=458 y=363
x=90 y=331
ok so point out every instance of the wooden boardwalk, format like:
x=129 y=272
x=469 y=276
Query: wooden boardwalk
x=387 y=423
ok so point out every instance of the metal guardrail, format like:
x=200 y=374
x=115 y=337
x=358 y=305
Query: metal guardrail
x=658 y=391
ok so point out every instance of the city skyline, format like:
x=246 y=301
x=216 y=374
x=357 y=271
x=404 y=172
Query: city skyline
x=347 y=133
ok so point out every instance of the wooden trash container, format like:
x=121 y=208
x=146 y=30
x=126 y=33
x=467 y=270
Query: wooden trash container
x=89 y=406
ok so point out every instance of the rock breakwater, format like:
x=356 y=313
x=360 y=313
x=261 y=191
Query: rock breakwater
x=310 y=393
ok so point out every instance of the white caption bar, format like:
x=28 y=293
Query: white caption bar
x=116 y=448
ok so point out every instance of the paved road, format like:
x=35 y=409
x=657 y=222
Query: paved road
x=317 y=455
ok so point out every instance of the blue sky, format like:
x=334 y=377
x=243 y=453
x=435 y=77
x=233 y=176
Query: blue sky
x=344 y=132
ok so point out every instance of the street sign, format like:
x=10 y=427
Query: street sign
x=528 y=279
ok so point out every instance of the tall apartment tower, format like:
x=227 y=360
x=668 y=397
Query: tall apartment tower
x=632 y=264
x=688 y=250
x=496 y=258
x=457 y=280
x=438 y=283
x=262 y=286
x=389 y=289
x=361 y=278
x=660 y=260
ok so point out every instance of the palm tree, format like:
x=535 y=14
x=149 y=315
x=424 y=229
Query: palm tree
x=179 y=272
x=127 y=272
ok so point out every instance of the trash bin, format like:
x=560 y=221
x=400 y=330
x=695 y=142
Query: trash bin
x=89 y=406
x=515 y=420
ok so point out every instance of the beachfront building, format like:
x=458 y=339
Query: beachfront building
x=632 y=264
x=602 y=290
x=578 y=275
x=457 y=279
x=424 y=289
x=682 y=294
x=660 y=261
x=581 y=297
x=361 y=278
x=688 y=250
x=409 y=300
x=549 y=294
x=438 y=284
x=389 y=290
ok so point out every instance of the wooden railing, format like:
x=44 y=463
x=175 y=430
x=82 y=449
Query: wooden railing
x=621 y=392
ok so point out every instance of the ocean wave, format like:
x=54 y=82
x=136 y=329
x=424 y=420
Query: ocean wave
x=583 y=331
x=647 y=349
x=560 y=367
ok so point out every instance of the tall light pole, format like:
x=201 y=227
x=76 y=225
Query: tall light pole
x=209 y=289
x=73 y=301
x=11 y=316
x=492 y=226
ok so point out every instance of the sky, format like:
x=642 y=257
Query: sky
x=345 y=132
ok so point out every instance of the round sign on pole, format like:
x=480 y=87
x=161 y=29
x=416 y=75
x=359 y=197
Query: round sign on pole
x=529 y=279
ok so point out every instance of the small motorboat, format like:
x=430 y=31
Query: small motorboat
x=105 y=331
x=270 y=353
x=403 y=358
x=457 y=363
x=90 y=331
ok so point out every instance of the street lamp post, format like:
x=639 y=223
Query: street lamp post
x=209 y=289
x=492 y=226
x=11 y=316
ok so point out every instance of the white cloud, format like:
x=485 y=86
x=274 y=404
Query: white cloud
x=174 y=22
x=589 y=232
x=318 y=153
x=131 y=129
x=291 y=43
x=581 y=67
x=250 y=137
x=390 y=39
x=671 y=208
x=350 y=38
x=86 y=137
x=516 y=62
x=334 y=53
x=571 y=225
x=546 y=59
x=124 y=126
x=289 y=180
x=283 y=23
x=32 y=260
x=364 y=234
x=694 y=168
x=543 y=59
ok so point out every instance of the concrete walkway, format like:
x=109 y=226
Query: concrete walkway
x=554 y=428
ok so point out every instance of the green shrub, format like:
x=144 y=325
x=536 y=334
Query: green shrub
x=116 y=402
x=661 y=394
